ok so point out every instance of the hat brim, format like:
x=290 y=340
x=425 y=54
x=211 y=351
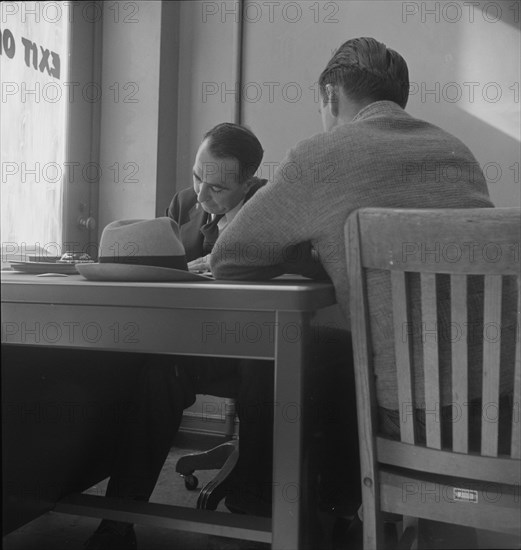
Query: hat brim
x=136 y=273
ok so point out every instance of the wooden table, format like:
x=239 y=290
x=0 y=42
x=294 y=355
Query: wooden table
x=275 y=321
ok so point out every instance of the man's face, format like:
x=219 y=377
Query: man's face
x=217 y=181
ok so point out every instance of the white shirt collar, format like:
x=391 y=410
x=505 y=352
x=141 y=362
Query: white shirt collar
x=228 y=217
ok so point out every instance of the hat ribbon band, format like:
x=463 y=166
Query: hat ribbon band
x=171 y=262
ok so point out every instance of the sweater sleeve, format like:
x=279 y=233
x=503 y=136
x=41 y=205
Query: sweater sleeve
x=271 y=233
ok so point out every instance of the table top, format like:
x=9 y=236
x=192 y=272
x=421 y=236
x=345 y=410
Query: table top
x=288 y=293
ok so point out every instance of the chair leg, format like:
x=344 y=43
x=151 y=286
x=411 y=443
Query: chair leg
x=214 y=459
x=436 y=534
x=216 y=489
x=373 y=526
x=408 y=539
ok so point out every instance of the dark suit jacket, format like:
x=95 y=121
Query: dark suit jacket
x=190 y=219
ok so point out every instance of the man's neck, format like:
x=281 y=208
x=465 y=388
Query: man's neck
x=349 y=109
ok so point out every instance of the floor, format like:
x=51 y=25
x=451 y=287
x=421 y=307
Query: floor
x=66 y=532
x=55 y=531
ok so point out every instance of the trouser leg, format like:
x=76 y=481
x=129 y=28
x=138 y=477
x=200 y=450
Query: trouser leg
x=166 y=386
x=252 y=476
x=255 y=409
x=149 y=433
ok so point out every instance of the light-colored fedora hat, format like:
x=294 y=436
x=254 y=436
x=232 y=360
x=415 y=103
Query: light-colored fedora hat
x=140 y=250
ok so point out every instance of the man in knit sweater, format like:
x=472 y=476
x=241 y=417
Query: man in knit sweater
x=371 y=154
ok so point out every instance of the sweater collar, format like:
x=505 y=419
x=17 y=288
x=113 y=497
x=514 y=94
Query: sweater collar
x=377 y=108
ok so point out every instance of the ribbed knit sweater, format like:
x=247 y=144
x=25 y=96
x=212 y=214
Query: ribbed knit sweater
x=383 y=158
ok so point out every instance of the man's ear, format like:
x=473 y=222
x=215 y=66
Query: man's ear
x=332 y=99
x=249 y=182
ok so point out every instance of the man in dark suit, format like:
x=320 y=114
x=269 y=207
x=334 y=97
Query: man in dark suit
x=223 y=181
x=194 y=222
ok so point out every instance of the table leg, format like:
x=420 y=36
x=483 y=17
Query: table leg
x=292 y=354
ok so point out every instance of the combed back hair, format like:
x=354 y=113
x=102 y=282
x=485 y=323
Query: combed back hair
x=367 y=70
x=233 y=140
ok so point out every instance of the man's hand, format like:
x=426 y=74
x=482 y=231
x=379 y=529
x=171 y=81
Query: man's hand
x=200 y=265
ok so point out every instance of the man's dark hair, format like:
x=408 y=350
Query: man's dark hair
x=366 y=69
x=233 y=140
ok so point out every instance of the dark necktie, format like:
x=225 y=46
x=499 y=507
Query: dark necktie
x=210 y=231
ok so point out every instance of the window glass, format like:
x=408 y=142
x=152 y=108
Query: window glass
x=33 y=67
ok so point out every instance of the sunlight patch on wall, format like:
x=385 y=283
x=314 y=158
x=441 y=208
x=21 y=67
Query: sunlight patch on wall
x=489 y=74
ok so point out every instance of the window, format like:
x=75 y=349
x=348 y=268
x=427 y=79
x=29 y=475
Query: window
x=34 y=68
x=47 y=52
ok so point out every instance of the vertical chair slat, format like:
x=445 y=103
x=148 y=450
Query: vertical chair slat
x=402 y=347
x=366 y=402
x=516 y=427
x=460 y=424
x=491 y=356
x=430 y=360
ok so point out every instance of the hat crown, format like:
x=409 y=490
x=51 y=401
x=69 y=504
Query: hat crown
x=153 y=242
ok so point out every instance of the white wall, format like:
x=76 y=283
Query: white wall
x=206 y=69
x=288 y=44
x=129 y=130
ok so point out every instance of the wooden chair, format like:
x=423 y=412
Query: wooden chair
x=440 y=268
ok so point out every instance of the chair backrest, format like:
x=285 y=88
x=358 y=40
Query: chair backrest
x=445 y=269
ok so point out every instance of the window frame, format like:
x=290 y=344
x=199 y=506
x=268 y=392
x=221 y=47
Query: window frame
x=81 y=187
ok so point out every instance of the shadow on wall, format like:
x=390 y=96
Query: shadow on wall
x=496 y=152
x=508 y=12
x=470 y=86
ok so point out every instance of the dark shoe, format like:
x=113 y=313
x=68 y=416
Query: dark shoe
x=110 y=537
x=435 y=534
x=250 y=505
x=348 y=533
x=247 y=496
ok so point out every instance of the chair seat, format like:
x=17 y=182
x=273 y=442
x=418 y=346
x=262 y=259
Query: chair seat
x=471 y=502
